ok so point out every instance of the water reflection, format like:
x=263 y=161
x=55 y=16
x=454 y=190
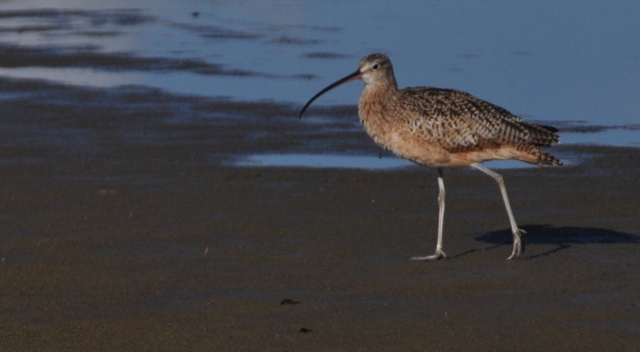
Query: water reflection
x=347 y=161
x=322 y=161
x=537 y=59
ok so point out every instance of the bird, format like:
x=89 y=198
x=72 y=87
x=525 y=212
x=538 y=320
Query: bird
x=444 y=128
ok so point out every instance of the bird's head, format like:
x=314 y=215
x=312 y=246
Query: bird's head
x=373 y=69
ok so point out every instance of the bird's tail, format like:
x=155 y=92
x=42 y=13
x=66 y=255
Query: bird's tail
x=541 y=135
x=547 y=159
x=535 y=155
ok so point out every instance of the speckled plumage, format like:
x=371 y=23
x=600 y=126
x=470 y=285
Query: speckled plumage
x=444 y=128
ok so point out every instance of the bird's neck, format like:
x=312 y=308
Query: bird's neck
x=377 y=100
x=376 y=106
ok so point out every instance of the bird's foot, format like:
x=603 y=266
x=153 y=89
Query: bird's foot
x=518 y=246
x=437 y=255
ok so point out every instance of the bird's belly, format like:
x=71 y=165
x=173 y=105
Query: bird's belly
x=416 y=150
x=421 y=152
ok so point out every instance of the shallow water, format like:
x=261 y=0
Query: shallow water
x=543 y=61
x=348 y=161
x=322 y=161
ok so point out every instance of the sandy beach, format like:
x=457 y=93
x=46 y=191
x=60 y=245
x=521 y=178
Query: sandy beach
x=124 y=228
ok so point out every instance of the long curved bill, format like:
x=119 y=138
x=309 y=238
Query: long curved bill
x=351 y=77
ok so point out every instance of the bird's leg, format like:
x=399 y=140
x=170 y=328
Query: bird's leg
x=439 y=253
x=517 y=233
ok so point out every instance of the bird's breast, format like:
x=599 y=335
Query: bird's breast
x=375 y=109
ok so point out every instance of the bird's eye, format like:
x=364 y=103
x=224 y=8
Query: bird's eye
x=375 y=66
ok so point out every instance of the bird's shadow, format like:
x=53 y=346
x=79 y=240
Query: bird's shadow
x=563 y=237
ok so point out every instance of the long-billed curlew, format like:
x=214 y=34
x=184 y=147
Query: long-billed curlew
x=442 y=128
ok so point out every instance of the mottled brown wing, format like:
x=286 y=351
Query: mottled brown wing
x=460 y=122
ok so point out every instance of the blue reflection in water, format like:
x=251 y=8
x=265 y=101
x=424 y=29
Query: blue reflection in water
x=323 y=161
x=347 y=161
x=544 y=60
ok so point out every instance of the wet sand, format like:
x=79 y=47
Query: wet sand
x=123 y=230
